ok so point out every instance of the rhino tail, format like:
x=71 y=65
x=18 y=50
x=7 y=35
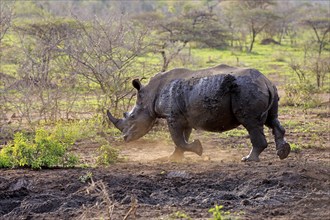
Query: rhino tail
x=271 y=92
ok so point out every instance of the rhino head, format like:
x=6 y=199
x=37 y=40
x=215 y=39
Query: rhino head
x=139 y=120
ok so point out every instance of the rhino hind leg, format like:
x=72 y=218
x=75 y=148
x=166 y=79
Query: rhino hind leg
x=258 y=141
x=282 y=147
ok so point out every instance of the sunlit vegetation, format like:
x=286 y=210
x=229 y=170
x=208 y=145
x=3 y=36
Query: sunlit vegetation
x=64 y=63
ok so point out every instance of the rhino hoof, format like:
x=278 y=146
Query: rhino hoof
x=249 y=158
x=196 y=147
x=284 y=151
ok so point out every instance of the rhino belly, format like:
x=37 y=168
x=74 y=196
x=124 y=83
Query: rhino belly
x=212 y=114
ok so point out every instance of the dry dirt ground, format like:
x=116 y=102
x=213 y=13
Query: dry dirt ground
x=147 y=186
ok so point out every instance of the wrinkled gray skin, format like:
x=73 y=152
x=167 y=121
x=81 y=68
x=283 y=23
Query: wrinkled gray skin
x=216 y=99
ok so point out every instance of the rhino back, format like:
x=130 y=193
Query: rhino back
x=163 y=79
x=166 y=83
x=160 y=80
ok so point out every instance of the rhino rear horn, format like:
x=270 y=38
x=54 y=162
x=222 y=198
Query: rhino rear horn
x=118 y=123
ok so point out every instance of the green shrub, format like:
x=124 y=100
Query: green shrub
x=68 y=133
x=219 y=214
x=180 y=215
x=301 y=94
x=42 y=150
x=5 y=158
x=107 y=155
x=295 y=148
x=86 y=177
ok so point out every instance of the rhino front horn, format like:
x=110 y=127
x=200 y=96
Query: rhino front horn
x=118 y=123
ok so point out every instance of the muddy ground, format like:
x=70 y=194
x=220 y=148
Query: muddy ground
x=147 y=186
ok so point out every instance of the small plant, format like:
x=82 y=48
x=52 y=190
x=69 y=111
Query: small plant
x=5 y=158
x=41 y=150
x=87 y=177
x=218 y=214
x=295 y=148
x=180 y=215
x=301 y=94
x=107 y=155
x=239 y=132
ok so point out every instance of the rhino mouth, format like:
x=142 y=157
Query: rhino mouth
x=128 y=135
x=135 y=132
x=127 y=138
x=130 y=138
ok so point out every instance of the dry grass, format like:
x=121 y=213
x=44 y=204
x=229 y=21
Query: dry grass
x=105 y=206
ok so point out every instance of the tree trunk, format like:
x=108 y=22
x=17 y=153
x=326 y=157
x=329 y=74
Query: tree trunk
x=165 y=60
x=253 y=40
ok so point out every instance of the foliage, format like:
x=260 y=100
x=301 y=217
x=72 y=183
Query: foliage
x=235 y=133
x=87 y=177
x=295 y=148
x=256 y=16
x=41 y=150
x=107 y=155
x=60 y=62
x=181 y=215
x=5 y=157
x=6 y=14
x=217 y=212
x=301 y=94
x=69 y=132
x=103 y=52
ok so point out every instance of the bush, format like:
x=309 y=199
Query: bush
x=42 y=150
x=5 y=159
x=219 y=214
x=301 y=94
x=295 y=148
x=107 y=155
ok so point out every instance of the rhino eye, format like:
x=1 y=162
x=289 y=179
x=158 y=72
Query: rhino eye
x=132 y=116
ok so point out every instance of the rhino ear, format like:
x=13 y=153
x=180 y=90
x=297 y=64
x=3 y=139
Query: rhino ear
x=137 y=84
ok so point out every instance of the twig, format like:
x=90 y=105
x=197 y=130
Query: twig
x=132 y=209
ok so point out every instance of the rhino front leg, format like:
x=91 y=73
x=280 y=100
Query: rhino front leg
x=180 y=135
x=177 y=155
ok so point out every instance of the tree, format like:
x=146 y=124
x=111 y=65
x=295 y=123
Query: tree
x=286 y=22
x=166 y=38
x=254 y=15
x=319 y=23
x=203 y=27
x=41 y=81
x=174 y=31
x=316 y=22
x=320 y=65
x=104 y=53
x=6 y=15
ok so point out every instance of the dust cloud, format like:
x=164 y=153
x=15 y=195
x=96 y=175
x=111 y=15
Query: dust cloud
x=151 y=151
